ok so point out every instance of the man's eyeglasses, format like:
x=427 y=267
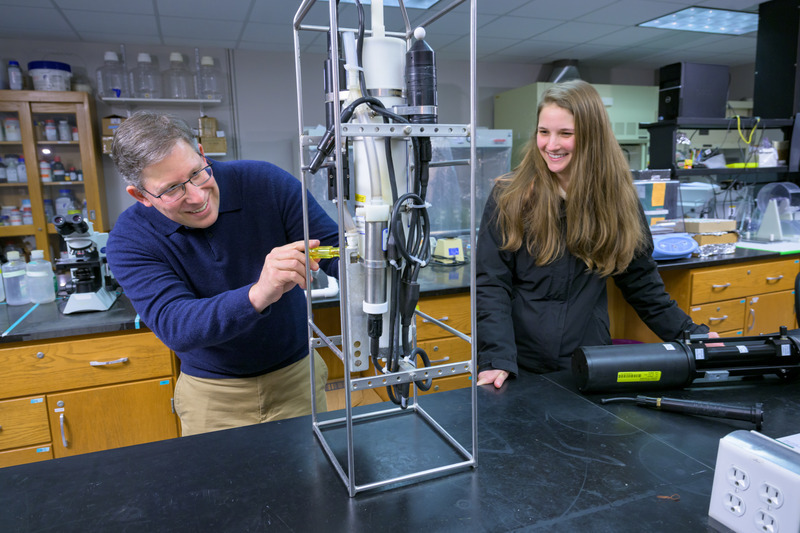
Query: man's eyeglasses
x=176 y=192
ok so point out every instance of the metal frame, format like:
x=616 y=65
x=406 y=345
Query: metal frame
x=318 y=339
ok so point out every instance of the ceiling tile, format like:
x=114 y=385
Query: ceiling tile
x=107 y=6
x=223 y=10
x=577 y=32
x=561 y=10
x=127 y=24
x=517 y=27
x=200 y=29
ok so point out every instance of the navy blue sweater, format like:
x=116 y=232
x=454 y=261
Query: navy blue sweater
x=190 y=286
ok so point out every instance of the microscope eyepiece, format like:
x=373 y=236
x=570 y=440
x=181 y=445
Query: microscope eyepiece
x=79 y=223
x=63 y=226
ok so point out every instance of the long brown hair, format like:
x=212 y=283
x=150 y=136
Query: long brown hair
x=604 y=228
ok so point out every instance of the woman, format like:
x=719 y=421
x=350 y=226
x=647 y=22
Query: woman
x=552 y=232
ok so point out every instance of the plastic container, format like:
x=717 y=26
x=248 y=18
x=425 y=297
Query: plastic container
x=40 y=279
x=64 y=203
x=59 y=172
x=145 y=78
x=3 y=173
x=11 y=129
x=64 y=131
x=2 y=291
x=112 y=82
x=14 y=279
x=50 y=75
x=45 y=171
x=14 y=76
x=22 y=171
x=178 y=80
x=50 y=130
x=209 y=80
x=11 y=170
x=49 y=210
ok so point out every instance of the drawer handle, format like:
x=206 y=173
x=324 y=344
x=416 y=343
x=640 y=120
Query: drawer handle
x=443 y=319
x=442 y=360
x=775 y=278
x=63 y=434
x=721 y=286
x=714 y=318
x=114 y=362
x=753 y=316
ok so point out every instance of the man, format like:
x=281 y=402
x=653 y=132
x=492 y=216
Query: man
x=212 y=257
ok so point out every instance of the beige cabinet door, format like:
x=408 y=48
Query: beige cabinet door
x=767 y=312
x=109 y=417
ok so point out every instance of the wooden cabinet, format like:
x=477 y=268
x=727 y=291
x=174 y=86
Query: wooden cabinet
x=81 y=395
x=441 y=346
x=743 y=299
x=32 y=112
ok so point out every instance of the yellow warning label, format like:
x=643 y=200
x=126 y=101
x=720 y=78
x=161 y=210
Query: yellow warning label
x=361 y=198
x=645 y=375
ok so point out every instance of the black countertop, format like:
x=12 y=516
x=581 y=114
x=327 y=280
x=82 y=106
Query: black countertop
x=549 y=459
x=44 y=322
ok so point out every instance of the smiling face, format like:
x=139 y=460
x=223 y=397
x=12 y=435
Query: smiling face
x=555 y=138
x=199 y=207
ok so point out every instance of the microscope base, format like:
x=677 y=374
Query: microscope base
x=100 y=300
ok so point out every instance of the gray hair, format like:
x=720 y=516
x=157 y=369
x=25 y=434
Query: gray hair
x=146 y=138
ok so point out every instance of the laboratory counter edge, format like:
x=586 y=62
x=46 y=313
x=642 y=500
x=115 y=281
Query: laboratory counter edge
x=44 y=321
x=548 y=459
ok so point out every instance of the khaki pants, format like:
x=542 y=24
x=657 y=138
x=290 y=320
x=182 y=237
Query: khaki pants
x=205 y=404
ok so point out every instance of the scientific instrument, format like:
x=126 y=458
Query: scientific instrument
x=90 y=288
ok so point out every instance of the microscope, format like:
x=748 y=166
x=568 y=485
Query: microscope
x=86 y=261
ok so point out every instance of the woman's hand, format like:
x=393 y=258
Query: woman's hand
x=498 y=377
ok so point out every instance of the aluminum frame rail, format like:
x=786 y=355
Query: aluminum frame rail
x=317 y=338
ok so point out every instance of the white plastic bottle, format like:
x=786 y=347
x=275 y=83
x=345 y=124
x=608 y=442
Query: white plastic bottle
x=14 y=75
x=112 y=82
x=2 y=289
x=11 y=170
x=45 y=171
x=145 y=78
x=14 y=280
x=209 y=80
x=64 y=203
x=22 y=171
x=178 y=79
x=40 y=279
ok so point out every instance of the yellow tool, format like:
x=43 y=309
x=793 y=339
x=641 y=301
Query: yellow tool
x=323 y=252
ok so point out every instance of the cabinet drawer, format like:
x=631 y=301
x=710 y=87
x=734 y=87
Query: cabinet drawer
x=23 y=422
x=449 y=383
x=447 y=350
x=25 y=455
x=720 y=316
x=55 y=366
x=451 y=310
x=735 y=282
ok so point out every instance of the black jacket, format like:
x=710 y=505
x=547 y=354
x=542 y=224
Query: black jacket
x=534 y=316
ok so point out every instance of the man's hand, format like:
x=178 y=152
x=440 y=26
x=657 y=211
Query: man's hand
x=284 y=268
x=497 y=377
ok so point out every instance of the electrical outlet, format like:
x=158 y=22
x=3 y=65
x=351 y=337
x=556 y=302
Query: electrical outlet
x=754 y=475
x=738 y=478
x=734 y=504
x=766 y=522
x=770 y=495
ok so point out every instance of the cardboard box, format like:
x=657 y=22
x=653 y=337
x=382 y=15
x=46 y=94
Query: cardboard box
x=214 y=145
x=207 y=126
x=110 y=124
x=105 y=142
x=708 y=225
x=716 y=238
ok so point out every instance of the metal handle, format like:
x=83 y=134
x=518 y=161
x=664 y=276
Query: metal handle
x=753 y=322
x=114 y=362
x=723 y=317
x=443 y=319
x=442 y=360
x=775 y=278
x=720 y=286
x=63 y=435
